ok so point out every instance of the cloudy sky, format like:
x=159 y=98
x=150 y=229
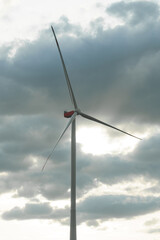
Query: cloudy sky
x=112 y=54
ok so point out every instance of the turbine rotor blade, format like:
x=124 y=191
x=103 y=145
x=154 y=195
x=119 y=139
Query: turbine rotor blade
x=70 y=121
x=106 y=124
x=65 y=72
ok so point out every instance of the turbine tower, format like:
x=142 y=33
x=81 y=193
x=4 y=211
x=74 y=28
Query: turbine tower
x=72 y=115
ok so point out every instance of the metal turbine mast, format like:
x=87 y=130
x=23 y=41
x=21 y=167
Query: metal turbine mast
x=72 y=115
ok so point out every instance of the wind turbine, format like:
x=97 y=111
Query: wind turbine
x=72 y=115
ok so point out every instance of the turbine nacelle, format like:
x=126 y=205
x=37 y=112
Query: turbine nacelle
x=68 y=114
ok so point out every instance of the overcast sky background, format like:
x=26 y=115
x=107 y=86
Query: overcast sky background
x=112 y=54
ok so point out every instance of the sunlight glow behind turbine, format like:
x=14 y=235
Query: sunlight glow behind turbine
x=96 y=141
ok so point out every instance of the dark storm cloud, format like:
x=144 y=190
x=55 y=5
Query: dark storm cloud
x=29 y=181
x=25 y=136
x=117 y=67
x=91 y=209
x=34 y=211
x=114 y=206
x=54 y=182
